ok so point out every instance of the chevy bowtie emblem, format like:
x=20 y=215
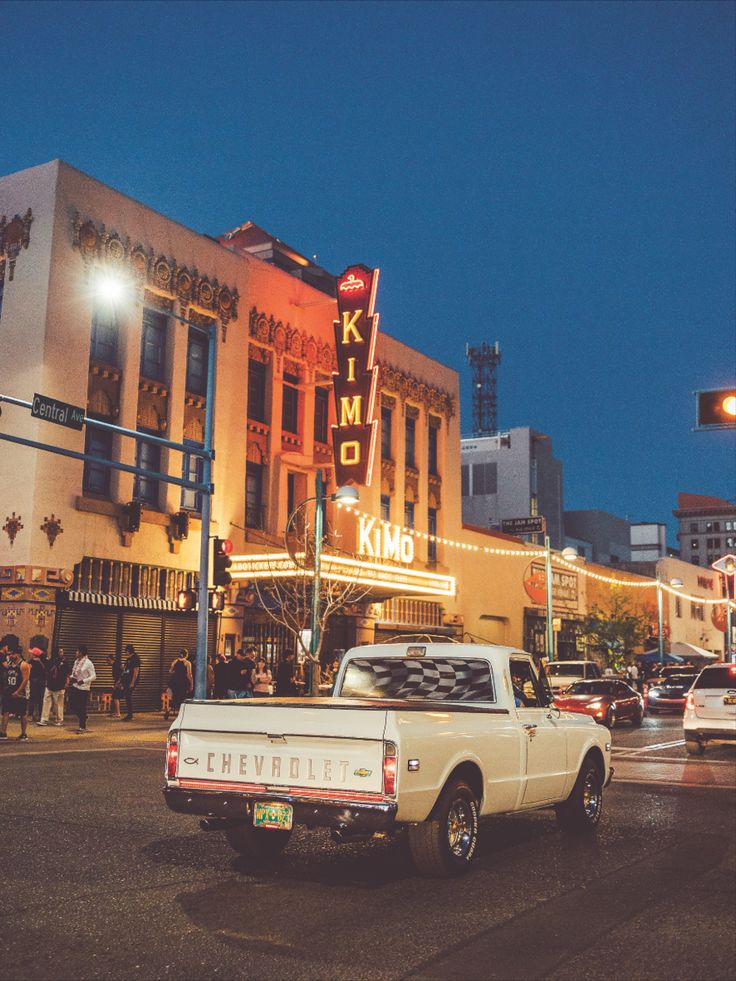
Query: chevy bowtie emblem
x=191 y=760
x=362 y=772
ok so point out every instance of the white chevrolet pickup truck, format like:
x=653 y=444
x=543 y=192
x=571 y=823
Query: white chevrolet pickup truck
x=429 y=738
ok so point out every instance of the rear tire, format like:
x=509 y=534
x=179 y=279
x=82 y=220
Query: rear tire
x=257 y=844
x=444 y=845
x=694 y=747
x=582 y=809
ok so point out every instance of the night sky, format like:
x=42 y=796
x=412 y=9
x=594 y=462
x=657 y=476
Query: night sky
x=558 y=177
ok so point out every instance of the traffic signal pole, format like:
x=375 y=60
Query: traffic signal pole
x=203 y=609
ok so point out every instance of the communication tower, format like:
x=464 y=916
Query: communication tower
x=483 y=361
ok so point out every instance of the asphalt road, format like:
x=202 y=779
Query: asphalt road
x=102 y=881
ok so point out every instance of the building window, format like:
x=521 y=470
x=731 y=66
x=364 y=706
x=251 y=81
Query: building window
x=410 y=442
x=191 y=469
x=485 y=479
x=386 y=418
x=693 y=527
x=465 y=480
x=696 y=611
x=729 y=526
x=104 y=340
x=257 y=391
x=153 y=345
x=432 y=530
x=290 y=413
x=321 y=414
x=678 y=607
x=408 y=514
x=96 y=479
x=147 y=457
x=290 y=494
x=694 y=544
x=386 y=507
x=432 y=450
x=730 y=542
x=197 y=363
x=534 y=505
x=254 y=511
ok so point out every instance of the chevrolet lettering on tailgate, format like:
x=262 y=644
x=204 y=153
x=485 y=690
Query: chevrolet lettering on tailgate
x=426 y=737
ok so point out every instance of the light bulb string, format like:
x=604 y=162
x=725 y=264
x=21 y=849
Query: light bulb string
x=532 y=553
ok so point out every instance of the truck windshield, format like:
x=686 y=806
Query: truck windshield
x=429 y=679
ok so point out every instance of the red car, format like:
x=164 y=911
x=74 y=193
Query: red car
x=608 y=702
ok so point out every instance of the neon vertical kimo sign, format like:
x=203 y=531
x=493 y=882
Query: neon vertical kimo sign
x=356 y=378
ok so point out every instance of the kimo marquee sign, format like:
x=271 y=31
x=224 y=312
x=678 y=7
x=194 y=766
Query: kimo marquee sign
x=356 y=378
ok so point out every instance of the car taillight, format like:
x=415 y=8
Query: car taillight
x=390 y=766
x=690 y=701
x=172 y=755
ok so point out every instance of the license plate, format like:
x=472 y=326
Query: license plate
x=729 y=699
x=277 y=816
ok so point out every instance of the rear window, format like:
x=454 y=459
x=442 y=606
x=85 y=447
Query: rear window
x=429 y=679
x=591 y=688
x=568 y=670
x=724 y=677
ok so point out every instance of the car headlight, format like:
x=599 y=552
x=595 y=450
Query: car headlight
x=594 y=705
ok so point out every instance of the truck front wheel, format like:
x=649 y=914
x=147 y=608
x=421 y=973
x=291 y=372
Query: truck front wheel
x=257 y=844
x=444 y=844
x=582 y=809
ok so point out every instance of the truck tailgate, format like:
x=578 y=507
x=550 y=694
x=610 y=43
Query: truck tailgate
x=283 y=744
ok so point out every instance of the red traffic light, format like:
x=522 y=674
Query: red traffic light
x=221 y=549
x=223 y=545
x=716 y=409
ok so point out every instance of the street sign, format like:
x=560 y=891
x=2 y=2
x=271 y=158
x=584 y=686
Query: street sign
x=533 y=525
x=725 y=565
x=62 y=413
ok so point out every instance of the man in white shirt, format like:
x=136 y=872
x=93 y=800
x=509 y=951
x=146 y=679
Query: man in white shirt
x=80 y=681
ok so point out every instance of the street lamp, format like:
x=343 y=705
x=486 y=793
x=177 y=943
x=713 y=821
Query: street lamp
x=343 y=495
x=677 y=584
x=114 y=290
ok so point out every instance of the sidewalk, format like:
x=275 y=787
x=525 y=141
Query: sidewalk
x=146 y=728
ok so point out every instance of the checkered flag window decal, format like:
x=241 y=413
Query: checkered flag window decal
x=429 y=679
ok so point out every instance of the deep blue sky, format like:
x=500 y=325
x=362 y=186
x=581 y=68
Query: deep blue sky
x=558 y=177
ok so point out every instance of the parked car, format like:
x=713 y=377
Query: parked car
x=669 y=693
x=562 y=674
x=608 y=702
x=710 y=708
x=423 y=736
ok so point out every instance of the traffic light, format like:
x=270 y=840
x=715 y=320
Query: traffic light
x=133 y=512
x=221 y=549
x=187 y=599
x=180 y=521
x=716 y=409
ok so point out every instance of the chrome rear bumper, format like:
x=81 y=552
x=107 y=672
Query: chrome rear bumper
x=233 y=807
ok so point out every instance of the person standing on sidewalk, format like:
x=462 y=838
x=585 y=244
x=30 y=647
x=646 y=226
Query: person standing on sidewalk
x=16 y=677
x=240 y=676
x=57 y=671
x=116 y=666
x=80 y=680
x=37 y=683
x=129 y=678
x=180 y=680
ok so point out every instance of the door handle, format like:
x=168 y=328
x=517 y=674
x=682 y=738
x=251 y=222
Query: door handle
x=529 y=726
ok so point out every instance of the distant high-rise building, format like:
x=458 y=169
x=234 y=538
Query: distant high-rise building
x=609 y=535
x=484 y=361
x=707 y=528
x=512 y=475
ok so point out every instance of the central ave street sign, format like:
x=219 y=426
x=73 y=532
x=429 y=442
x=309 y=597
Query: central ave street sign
x=533 y=525
x=62 y=413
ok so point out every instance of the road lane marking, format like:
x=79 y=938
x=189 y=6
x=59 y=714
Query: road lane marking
x=691 y=761
x=654 y=783
x=649 y=747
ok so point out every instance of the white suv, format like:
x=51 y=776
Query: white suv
x=562 y=674
x=710 y=709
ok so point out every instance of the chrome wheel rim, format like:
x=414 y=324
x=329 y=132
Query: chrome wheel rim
x=591 y=795
x=459 y=827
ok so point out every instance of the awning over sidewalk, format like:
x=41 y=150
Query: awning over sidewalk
x=112 y=599
x=382 y=580
x=693 y=653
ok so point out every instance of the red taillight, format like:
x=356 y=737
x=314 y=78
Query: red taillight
x=390 y=767
x=172 y=755
x=690 y=701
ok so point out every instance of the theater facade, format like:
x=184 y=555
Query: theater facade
x=304 y=383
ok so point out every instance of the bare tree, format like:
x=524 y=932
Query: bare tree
x=286 y=592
